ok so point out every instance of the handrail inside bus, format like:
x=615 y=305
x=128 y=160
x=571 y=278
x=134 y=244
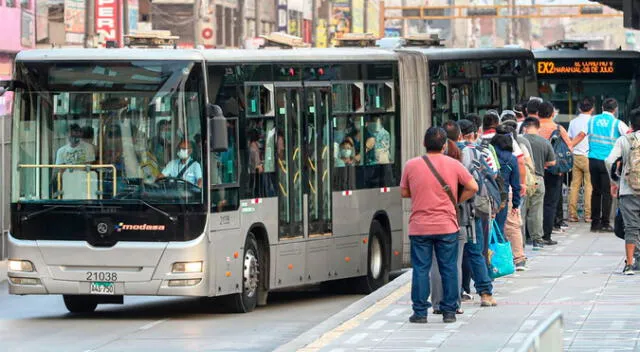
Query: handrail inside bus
x=86 y=167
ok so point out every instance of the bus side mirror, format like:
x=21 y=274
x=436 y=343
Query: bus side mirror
x=218 y=138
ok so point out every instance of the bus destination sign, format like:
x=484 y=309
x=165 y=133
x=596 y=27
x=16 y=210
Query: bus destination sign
x=585 y=67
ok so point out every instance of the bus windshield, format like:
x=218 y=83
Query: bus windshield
x=113 y=131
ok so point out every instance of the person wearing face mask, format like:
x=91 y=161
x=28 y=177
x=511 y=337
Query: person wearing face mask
x=184 y=167
x=76 y=151
x=346 y=155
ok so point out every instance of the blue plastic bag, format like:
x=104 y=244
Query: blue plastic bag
x=500 y=255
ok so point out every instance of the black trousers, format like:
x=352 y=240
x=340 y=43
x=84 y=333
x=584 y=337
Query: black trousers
x=601 y=195
x=560 y=209
x=553 y=186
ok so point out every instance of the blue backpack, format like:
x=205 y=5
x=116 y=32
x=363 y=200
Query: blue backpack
x=564 y=159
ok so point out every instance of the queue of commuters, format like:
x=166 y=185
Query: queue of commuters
x=527 y=156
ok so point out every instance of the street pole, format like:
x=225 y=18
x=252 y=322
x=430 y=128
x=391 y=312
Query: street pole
x=89 y=24
x=125 y=17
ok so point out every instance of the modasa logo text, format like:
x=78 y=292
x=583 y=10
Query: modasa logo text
x=138 y=227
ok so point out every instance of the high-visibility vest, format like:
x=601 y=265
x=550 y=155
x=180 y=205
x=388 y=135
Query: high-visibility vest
x=603 y=133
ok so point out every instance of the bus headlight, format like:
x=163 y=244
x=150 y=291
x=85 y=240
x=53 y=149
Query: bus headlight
x=24 y=281
x=20 y=265
x=189 y=282
x=187 y=267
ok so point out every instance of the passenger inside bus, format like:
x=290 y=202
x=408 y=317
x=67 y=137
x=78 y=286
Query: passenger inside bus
x=346 y=154
x=184 y=167
x=377 y=140
x=161 y=143
x=76 y=151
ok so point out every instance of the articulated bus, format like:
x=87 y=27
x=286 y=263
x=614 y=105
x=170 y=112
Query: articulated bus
x=567 y=72
x=298 y=184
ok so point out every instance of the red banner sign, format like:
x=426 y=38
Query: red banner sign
x=108 y=20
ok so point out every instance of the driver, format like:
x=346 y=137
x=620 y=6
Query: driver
x=184 y=167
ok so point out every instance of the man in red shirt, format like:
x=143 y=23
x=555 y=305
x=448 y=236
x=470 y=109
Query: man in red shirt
x=433 y=224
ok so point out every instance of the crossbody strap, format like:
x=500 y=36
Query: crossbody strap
x=444 y=185
x=184 y=169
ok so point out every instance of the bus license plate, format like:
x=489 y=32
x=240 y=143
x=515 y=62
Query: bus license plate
x=102 y=288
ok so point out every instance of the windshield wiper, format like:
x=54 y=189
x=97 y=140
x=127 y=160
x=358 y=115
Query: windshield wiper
x=159 y=211
x=27 y=217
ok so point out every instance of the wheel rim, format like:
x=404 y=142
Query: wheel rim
x=375 y=259
x=250 y=273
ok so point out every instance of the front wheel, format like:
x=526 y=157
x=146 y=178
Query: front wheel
x=378 y=260
x=247 y=300
x=79 y=304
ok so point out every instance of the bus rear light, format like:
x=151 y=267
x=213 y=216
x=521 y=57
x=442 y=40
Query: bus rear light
x=187 y=267
x=20 y=265
x=187 y=282
x=24 y=281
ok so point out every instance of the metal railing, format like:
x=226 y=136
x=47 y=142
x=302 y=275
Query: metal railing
x=546 y=337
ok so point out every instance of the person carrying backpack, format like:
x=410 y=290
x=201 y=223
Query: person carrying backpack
x=561 y=144
x=627 y=148
x=473 y=256
x=510 y=174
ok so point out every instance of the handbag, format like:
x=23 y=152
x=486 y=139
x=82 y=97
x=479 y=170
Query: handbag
x=618 y=225
x=499 y=255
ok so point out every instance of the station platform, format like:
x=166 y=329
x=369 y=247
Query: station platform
x=581 y=277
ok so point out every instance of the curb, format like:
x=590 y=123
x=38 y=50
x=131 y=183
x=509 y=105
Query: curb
x=346 y=314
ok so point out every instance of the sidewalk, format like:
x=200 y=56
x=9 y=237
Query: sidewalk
x=581 y=277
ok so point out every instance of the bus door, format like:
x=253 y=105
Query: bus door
x=290 y=187
x=317 y=178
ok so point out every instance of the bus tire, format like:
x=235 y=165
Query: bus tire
x=79 y=303
x=247 y=300
x=377 y=260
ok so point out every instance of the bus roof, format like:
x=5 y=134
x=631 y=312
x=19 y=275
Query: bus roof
x=546 y=54
x=448 y=54
x=108 y=54
x=299 y=55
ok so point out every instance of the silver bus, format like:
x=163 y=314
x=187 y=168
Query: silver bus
x=127 y=181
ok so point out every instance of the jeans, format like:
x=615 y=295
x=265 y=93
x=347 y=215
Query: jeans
x=581 y=175
x=501 y=217
x=552 y=185
x=446 y=250
x=534 y=211
x=477 y=263
x=601 y=195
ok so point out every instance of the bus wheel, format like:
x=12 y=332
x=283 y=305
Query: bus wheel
x=79 y=303
x=247 y=300
x=377 y=262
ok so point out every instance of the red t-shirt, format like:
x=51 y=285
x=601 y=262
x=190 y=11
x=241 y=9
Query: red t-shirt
x=432 y=212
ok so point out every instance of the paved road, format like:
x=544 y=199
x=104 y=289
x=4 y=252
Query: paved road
x=41 y=323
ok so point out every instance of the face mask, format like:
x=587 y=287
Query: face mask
x=346 y=153
x=74 y=140
x=183 y=154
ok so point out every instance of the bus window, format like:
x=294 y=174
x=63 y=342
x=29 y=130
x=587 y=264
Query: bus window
x=224 y=172
x=378 y=140
x=347 y=97
x=258 y=156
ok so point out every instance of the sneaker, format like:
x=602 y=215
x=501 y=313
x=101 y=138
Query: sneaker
x=538 y=245
x=574 y=219
x=466 y=297
x=606 y=228
x=558 y=229
x=418 y=319
x=549 y=242
x=449 y=317
x=587 y=220
x=595 y=228
x=487 y=300
x=628 y=270
x=564 y=225
x=521 y=266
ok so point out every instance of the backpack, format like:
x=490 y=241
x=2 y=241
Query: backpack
x=633 y=162
x=564 y=159
x=488 y=150
x=488 y=198
x=531 y=178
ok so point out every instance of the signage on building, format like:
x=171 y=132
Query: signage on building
x=133 y=15
x=373 y=17
x=27 y=30
x=341 y=18
x=74 y=13
x=108 y=24
x=322 y=33
x=283 y=19
x=358 y=16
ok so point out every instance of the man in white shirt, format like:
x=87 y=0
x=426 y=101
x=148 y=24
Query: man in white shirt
x=77 y=151
x=581 y=174
x=184 y=167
